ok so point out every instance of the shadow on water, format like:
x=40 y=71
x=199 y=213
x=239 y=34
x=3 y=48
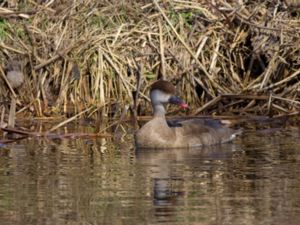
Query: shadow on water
x=254 y=180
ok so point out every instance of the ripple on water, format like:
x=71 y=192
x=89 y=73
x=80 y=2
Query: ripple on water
x=254 y=180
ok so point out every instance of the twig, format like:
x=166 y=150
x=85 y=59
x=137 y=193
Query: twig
x=139 y=76
x=208 y=104
x=123 y=114
x=7 y=82
x=6 y=13
x=57 y=56
x=69 y=120
x=292 y=76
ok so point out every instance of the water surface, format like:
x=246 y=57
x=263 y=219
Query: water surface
x=254 y=180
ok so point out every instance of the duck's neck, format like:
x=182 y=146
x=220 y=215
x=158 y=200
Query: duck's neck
x=159 y=110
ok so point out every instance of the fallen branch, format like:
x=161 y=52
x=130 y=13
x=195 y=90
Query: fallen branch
x=54 y=135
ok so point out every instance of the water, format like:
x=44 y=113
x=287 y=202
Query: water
x=254 y=180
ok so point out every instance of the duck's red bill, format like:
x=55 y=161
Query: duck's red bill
x=183 y=105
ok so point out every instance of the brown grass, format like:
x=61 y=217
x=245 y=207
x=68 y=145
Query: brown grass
x=79 y=55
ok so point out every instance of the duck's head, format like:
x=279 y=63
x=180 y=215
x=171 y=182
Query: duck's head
x=163 y=92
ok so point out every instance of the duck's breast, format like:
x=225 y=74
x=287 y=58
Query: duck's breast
x=155 y=134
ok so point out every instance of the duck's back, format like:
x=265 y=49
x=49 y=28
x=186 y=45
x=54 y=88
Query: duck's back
x=200 y=132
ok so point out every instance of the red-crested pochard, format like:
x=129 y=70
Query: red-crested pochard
x=158 y=133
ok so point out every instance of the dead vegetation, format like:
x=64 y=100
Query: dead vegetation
x=226 y=57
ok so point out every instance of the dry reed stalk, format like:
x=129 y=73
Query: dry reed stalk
x=162 y=54
x=290 y=101
x=249 y=105
x=12 y=49
x=283 y=110
x=2 y=123
x=212 y=68
x=121 y=119
x=208 y=104
x=12 y=113
x=284 y=81
x=99 y=86
x=271 y=68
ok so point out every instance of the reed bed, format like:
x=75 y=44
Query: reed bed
x=84 y=57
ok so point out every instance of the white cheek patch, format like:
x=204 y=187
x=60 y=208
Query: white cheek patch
x=159 y=97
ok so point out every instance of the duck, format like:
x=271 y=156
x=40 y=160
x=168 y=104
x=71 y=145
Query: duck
x=160 y=133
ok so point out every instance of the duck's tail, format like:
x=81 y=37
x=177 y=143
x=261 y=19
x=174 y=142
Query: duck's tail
x=235 y=134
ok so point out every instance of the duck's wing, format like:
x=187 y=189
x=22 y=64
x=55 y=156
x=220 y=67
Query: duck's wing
x=205 y=131
x=196 y=123
x=196 y=126
x=174 y=123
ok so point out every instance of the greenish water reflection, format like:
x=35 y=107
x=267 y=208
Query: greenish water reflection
x=254 y=180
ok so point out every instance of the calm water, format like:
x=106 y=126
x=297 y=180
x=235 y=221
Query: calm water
x=254 y=180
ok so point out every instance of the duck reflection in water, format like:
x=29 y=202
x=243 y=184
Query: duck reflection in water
x=173 y=170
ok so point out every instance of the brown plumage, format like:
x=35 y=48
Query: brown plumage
x=164 y=86
x=158 y=133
